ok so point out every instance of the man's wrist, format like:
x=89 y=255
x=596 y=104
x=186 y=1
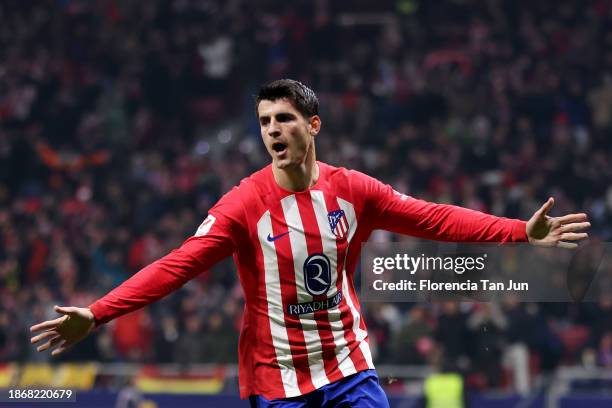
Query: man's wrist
x=93 y=316
x=519 y=231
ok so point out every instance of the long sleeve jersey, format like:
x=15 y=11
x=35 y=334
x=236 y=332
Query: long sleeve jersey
x=296 y=254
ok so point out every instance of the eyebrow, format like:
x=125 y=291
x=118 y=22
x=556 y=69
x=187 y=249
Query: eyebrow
x=279 y=116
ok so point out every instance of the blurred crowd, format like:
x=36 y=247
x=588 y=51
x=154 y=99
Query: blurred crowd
x=122 y=122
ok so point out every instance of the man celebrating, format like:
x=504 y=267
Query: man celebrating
x=295 y=229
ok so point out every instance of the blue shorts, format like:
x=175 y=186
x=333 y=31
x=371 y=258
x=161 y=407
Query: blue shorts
x=360 y=390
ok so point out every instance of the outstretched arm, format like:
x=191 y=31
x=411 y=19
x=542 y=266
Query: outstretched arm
x=396 y=212
x=162 y=277
x=214 y=240
x=148 y=285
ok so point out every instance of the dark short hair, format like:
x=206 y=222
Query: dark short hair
x=303 y=98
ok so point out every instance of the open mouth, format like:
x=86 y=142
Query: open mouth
x=279 y=147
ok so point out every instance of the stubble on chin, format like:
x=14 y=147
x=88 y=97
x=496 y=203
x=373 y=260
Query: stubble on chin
x=283 y=164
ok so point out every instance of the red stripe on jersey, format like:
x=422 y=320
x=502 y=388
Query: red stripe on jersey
x=314 y=244
x=356 y=355
x=362 y=364
x=286 y=273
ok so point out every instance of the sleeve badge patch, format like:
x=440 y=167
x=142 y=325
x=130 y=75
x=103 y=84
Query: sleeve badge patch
x=205 y=226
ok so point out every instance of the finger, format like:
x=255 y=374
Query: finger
x=566 y=219
x=48 y=344
x=49 y=324
x=567 y=245
x=60 y=349
x=67 y=310
x=574 y=236
x=577 y=226
x=546 y=207
x=43 y=336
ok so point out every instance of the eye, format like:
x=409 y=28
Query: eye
x=284 y=117
x=264 y=121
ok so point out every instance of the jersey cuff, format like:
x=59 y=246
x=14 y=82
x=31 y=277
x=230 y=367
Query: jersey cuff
x=519 y=231
x=97 y=313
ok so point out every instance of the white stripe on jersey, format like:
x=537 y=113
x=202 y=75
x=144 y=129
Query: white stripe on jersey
x=280 y=339
x=299 y=250
x=360 y=334
x=345 y=364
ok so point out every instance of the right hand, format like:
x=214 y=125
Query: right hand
x=65 y=331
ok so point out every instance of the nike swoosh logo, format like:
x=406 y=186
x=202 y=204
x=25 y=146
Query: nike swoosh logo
x=272 y=239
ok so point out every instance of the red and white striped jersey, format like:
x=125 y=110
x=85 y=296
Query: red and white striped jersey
x=296 y=254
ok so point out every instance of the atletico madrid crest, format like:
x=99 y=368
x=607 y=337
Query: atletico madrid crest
x=338 y=223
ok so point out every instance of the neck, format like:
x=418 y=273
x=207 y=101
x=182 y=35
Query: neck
x=300 y=177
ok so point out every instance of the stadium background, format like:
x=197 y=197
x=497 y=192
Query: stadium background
x=122 y=122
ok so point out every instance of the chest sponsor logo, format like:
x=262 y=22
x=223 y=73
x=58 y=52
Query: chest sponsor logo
x=315 y=306
x=317 y=274
x=338 y=223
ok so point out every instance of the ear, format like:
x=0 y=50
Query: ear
x=314 y=125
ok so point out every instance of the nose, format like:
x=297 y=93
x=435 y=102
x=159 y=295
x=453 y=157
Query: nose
x=274 y=128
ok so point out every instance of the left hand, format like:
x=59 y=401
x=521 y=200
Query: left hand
x=563 y=232
x=65 y=331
